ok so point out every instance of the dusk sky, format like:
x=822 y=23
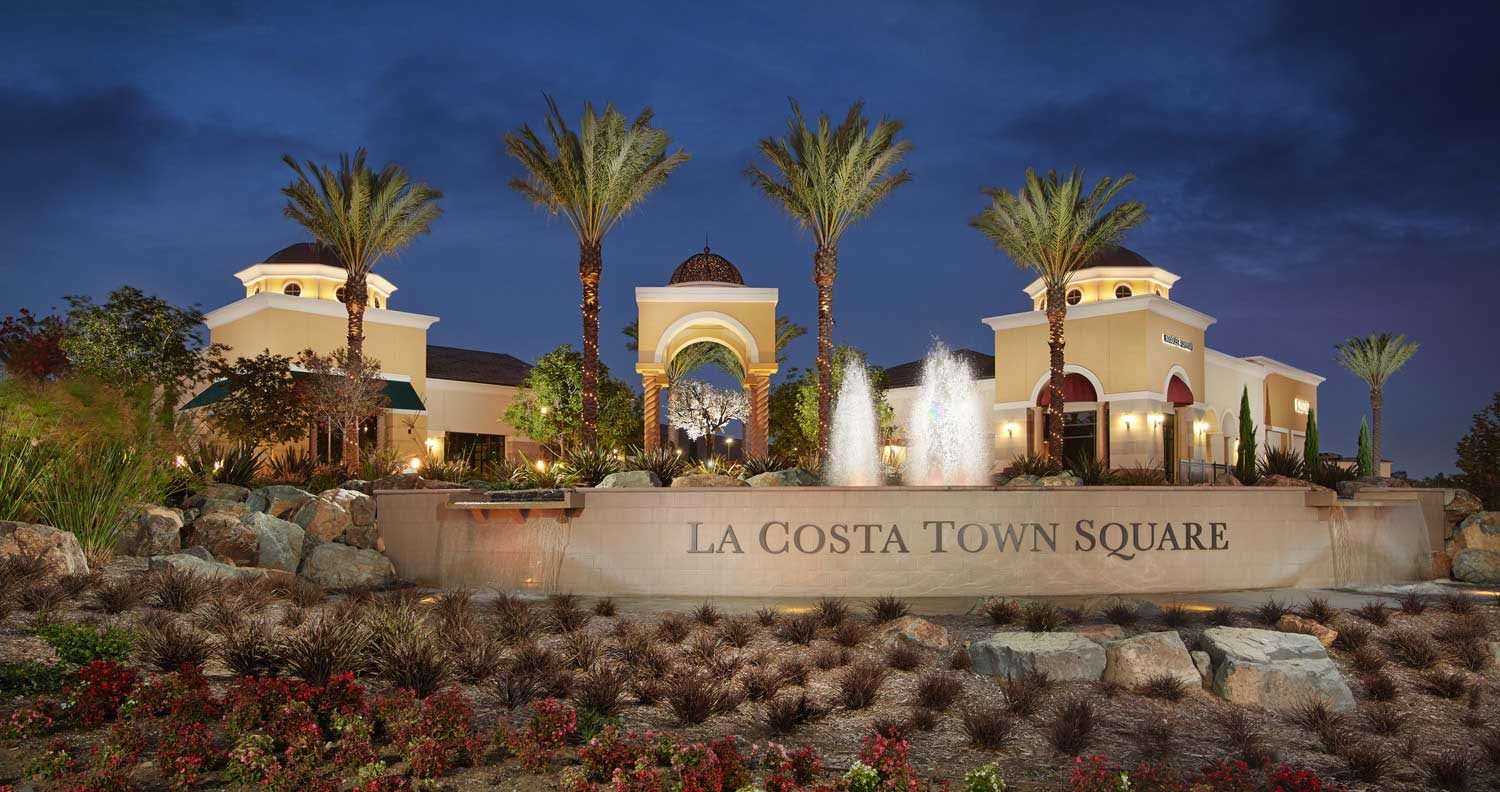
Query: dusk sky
x=1314 y=170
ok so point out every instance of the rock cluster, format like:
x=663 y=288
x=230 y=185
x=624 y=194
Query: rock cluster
x=706 y=480
x=1475 y=548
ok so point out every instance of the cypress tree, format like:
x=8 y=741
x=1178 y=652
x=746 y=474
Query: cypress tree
x=1366 y=454
x=1244 y=465
x=1310 y=447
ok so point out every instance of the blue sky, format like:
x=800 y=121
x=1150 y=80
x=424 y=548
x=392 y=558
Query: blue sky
x=1314 y=170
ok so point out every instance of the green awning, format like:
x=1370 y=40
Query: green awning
x=399 y=394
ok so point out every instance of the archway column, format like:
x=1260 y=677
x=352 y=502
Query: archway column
x=651 y=385
x=757 y=430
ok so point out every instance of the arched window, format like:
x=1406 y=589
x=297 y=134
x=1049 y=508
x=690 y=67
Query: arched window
x=1075 y=296
x=1122 y=291
x=339 y=295
x=293 y=289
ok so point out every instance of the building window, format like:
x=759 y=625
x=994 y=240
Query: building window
x=1122 y=291
x=293 y=289
x=339 y=295
x=1074 y=296
x=475 y=449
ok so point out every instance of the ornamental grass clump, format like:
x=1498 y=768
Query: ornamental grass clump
x=178 y=590
x=1318 y=609
x=785 y=713
x=582 y=650
x=1353 y=636
x=850 y=634
x=706 y=614
x=888 y=608
x=1366 y=762
x=249 y=650
x=601 y=691
x=830 y=657
x=1176 y=615
x=1379 y=687
x=903 y=656
x=1024 y=693
x=475 y=657
x=118 y=595
x=1165 y=687
x=1222 y=616
x=693 y=698
x=1451 y=771
x=1072 y=726
x=168 y=644
x=1412 y=648
x=91 y=490
x=1156 y=736
x=1123 y=614
x=738 y=632
x=988 y=727
x=324 y=648
x=1038 y=616
x=1382 y=720
x=937 y=690
x=1445 y=684
x=859 y=685
x=799 y=629
x=762 y=684
x=1271 y=611
x=674 y=627
x=1375 y=613
x=1001 y=611
x=605 y=607
x=831 y=611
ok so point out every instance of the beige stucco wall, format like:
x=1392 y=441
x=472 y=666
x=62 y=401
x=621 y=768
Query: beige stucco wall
x=1281 y=395
x=473 y=407
x=1124 y=351
x=758 y=318
x=642 y=542
x=1097 y=289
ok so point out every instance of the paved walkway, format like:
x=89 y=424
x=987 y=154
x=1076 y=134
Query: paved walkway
x=1199 y=601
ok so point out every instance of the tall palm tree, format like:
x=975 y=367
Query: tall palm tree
x=593 y=177
x=1374 y=359
x=1051 y=227
x=362 y=216
x=827 y=178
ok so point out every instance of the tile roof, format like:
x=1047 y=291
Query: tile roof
x=908 y=375
x=472 y=365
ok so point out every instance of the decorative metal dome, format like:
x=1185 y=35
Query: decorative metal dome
x=306 y=253
x=706 y=267
x=1117 y=256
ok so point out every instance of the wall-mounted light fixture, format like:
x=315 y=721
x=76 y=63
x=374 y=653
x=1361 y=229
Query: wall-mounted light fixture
x=1155 y=419
x=1200 y=426
x=432 y=445
x=1010 y=428
x=1127 y=420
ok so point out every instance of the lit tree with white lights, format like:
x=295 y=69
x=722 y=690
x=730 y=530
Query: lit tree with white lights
x=700 y=409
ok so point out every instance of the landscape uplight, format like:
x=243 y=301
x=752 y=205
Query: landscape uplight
x=415 y=463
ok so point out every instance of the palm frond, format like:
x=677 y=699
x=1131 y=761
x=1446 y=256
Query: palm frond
x=1375 y=358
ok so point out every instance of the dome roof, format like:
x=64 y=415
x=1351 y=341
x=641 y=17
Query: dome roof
x=1117 y=257
x=706 y=267
x=305 y=253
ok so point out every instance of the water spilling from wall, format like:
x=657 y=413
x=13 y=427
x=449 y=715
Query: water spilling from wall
x=854 y=447
x=948 y=440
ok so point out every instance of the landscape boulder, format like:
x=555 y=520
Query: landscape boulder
x=1061 y=656
x=406 y=481
x=1292 y=623
x=278 y=500
x=1348 y=489
x=913 y=631
x=333 y=565
x=1274 y=670
x=1477 y=566
x=1478 y=531
x=1459 y=505
x=217 y=491
x=1288 y=481
x=197 y=551
x=629 y=479
x=358 y=485
x=323 y=519
x=59 y=550
x=1131 y=662
x=279 y=542
x=1100 y=633
x=706 y=480
x=212 y=570
x=228 y=538
x=1025 y=480
x=156 y=530
x=791 y=477
x=1063 y=479
x=365 y=536
x=1205 y=665
x=220 y=506
x=361 y=507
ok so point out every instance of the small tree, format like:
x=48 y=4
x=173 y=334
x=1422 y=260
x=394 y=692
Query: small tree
x=266 y=404
x=808 y=393
x=31 y=347
x=701 y=410
x=343 y=391
x=1366 y=453
x=138 y=341
x=1310 y=460
x=549 y=408
x=1479 y=455
x=1244 y=465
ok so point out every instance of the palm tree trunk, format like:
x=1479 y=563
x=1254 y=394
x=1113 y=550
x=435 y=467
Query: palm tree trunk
x=590 y=267
x=825 y=269
x=1057 y=311
x=1377 y=403
x=355 y=296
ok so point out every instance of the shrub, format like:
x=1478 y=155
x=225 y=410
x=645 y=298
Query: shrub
x=985 y=778
x=1379 y=687
x=1222 y=616
x=168 y=644
x=591 y=464
x=831 y=611
x=860 y=684
x=323 y=649
x=673 y=627
x=1271 y=611
x=937 y=690
x=1038 y=616
x=1024 y=692
x=1164 y=686
x=605 y=607
x=828 y=657
x=1001 y=611
x=550 y=724
x=1352 y=636
x=706 y=614
x=1375 y=613
x=1277 y=462
x=738 y=632
x=103 y=685
x=29 y=677
x=664 y=462
x=1445 y=684
x=1122 y=613
x=903 y=657
x=600 y=691
x=1031 y=465
x=249 y=651
x=888 y=607
x=849 y=634
x=800 y=629
x=92 y=489
x=1412 y=648
x=1139 y=476
x=1452 y=771
x=178 y=590
x=785 y=713
x=988 y=727
x=1072 y=726
x=81 y=644
x=1383 y=720
x=694 y=697
x=1091 y=471
x=1318 y=609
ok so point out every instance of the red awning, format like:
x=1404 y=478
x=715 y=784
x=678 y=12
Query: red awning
x=1076 y=388
x=1178 y=393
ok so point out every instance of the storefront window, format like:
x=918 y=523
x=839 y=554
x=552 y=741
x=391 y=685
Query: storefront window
x=1079 y=432
x=476 y=449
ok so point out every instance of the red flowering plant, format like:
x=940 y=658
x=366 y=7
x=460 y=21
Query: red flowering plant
x=550 y=725
x=103 y=687
x=1228 y=776
x=1285 y=779
x=1096 y=774
x=888 y=756
x=433 y=734
x=790 y=772
x=30 y=721
x=32 y=347
x=182 y=696
x=250 y=703
x=612 y=749
x=187 y=754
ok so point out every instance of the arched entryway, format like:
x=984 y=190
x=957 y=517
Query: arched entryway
x=706 y=301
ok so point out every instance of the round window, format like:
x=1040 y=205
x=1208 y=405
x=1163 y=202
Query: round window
x=293 y=289
x=1122 y=291
x=1074 y=296
x=339 y=294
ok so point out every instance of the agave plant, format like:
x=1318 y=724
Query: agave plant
x=590 y=464
x=666 y=463
x=226 y=464
x=756 y=465
x=542 y=474
x=1032 y=465
x=293 y=465
x=1281 y=463
x=1092 y=471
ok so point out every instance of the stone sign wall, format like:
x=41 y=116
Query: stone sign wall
x=907 y=541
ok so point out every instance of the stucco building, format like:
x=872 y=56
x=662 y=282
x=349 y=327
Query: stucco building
x=1142 y=388
x=443 y=401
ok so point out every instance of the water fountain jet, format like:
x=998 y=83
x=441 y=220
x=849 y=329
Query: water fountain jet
x=854 y=447
x=948 y=441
